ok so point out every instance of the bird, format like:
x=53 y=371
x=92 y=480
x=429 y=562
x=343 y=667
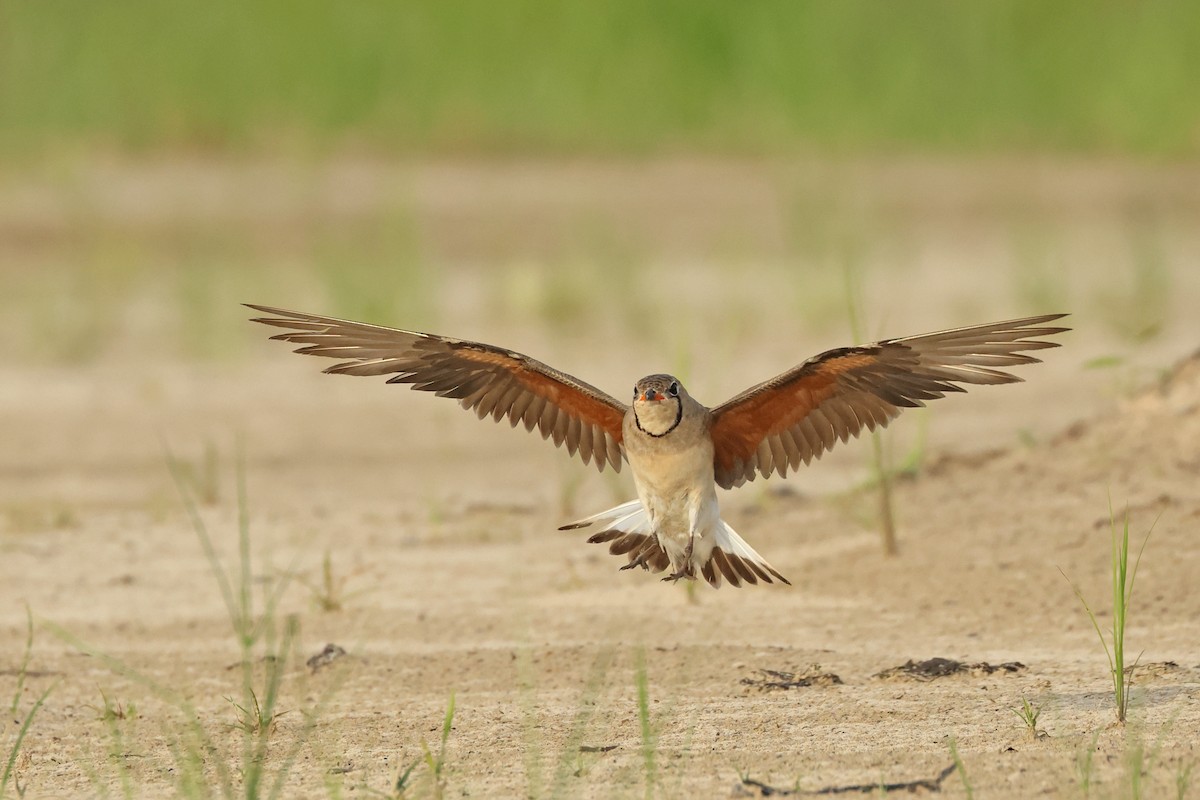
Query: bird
x=678 y=449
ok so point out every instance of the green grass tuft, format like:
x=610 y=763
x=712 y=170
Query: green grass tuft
x=434 y=785
x=1122 y=594
x=329 y=594
x=1029 y=714
x=437 y=764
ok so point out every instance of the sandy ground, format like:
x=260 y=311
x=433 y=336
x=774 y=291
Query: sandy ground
x=440 y=532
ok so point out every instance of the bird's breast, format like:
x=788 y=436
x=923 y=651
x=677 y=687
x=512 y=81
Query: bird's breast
x=671 y=466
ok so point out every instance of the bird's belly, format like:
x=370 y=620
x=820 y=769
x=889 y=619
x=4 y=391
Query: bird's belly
x=677 y=490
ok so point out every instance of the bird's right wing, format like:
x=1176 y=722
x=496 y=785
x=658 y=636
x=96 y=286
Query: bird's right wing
x=487 y=379
x=800 y=414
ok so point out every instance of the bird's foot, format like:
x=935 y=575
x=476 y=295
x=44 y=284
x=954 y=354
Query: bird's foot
x=640 y=561
x=687 y=570
x=682 y=572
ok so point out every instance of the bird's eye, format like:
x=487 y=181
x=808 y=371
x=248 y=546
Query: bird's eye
x=635 y=390
x=673 y=390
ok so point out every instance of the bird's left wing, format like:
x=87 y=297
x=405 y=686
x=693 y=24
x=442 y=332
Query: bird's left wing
x=800 y=414
x=487 y=379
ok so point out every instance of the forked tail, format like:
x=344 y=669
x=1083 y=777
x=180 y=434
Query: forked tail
x=627 y=528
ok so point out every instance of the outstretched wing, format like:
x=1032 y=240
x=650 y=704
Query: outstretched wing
x=800 y=414
x=487 y=379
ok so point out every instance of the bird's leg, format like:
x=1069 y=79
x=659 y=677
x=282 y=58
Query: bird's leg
x=695 y=502
x=687 y=570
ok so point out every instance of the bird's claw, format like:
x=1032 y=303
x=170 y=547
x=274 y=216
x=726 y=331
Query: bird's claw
x=686 y=571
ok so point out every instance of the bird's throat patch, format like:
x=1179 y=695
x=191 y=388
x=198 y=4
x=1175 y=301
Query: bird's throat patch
x=675 y=424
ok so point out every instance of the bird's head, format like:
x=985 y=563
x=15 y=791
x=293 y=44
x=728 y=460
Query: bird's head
x=658 y=403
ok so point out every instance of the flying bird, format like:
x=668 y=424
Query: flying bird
x=678 y=449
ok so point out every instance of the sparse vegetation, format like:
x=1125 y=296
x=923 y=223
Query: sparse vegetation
x=253 y=631
x=961 y=768
x=328 y=594
x=437 y=764
x=1183 y=779
x=434 y=784
x=1122 y=593
x=254 y=719
x=201 y=476
x=570 y=760
x=14 y=750
x=1137 y=763
x=202 y=768
x=39 y=517
x=1029 y=714
x=649 y=734
x=1085 y=767
x=23 y=670
x=108 y=710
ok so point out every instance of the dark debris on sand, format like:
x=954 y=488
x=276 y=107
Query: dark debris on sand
x=944 y=667
x=778 y=680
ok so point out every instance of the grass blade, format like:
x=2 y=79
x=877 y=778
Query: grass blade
x=649 y=739
x=16 y=748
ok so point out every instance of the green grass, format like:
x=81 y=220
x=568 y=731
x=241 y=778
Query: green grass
x=329 y=594
x=202 y=476
x=255 y=630
x=649 y=734
x=1101 y=76
x=1183 y=779
x=1122 y=594
x=1029 y=714
x=9 y=776
x=1085 y=767
x=435 y=764
x=961 y=769
x=256 y=766
x=570 y=760
x=432 y=783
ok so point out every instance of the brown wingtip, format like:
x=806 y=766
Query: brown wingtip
x=266 y=310
x=278 y=317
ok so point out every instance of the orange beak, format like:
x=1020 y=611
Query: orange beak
x=653 y=396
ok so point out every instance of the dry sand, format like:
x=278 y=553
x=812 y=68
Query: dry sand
x=456 y=583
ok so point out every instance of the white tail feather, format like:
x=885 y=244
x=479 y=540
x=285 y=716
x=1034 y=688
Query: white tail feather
x=632 y=518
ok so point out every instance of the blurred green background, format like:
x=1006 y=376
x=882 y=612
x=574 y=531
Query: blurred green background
x=469 y=166
x=1103 y=76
